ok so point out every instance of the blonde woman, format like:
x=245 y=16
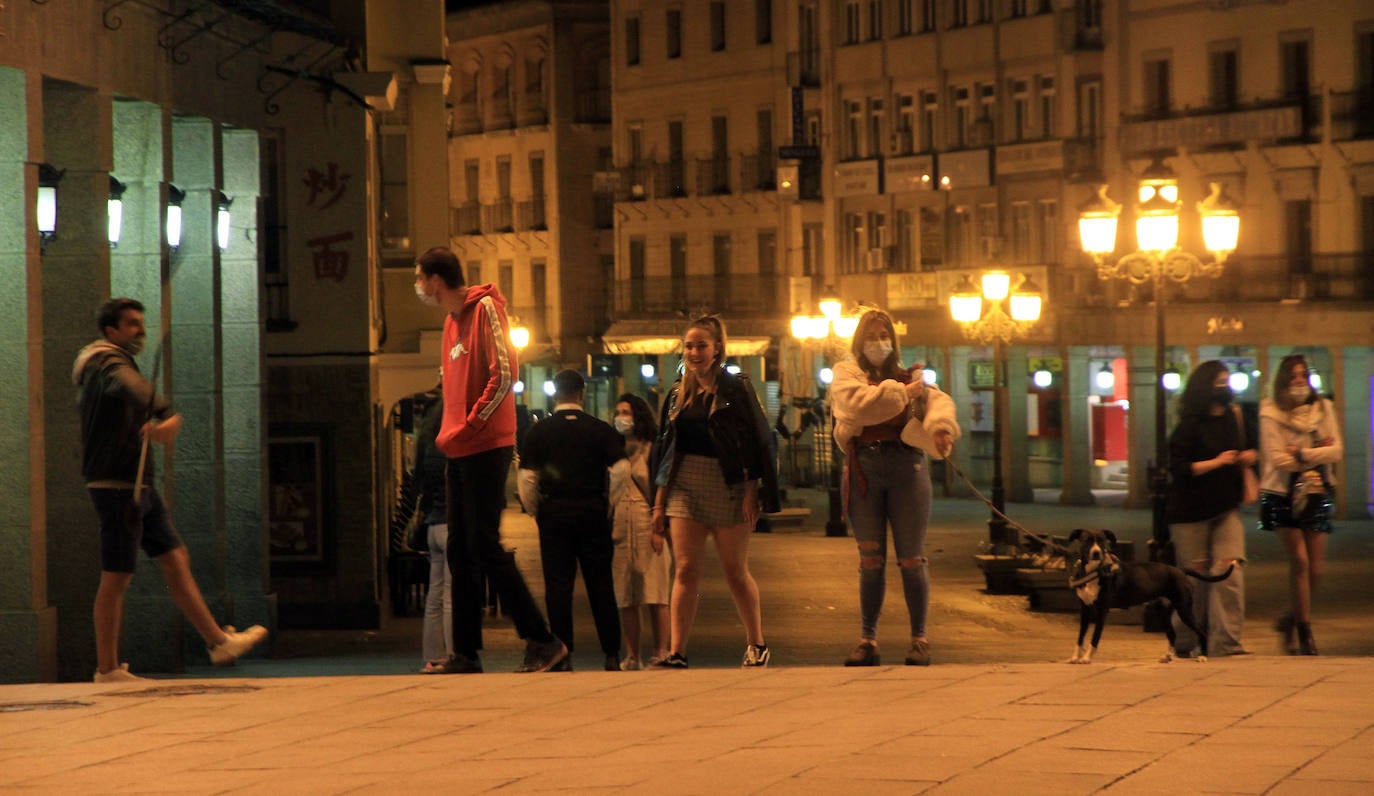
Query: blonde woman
x=714 y=470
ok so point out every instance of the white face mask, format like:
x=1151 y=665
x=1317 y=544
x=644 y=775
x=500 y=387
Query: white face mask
x=1300 y=393
x=425 y=298
x=623 y=424
x=877 y=351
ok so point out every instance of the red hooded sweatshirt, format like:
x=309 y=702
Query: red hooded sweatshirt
x=479 y=369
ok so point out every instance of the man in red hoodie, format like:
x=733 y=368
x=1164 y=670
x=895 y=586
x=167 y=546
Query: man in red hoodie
x=478 y=437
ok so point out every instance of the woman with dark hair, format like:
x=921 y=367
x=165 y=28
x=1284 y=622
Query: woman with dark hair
x=887 y=482
x=642 y=567
x=713 y=449
x=1207 y=454
x=1300 y=440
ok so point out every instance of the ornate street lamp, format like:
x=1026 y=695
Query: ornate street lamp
x=520 y=338
x=828 y=333
x=1159 y=260
x=983 y=318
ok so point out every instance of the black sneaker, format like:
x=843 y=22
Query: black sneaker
x=756 y=655
x=675 y=660
x=462 y=664
x=613 y=662
x=541 y=656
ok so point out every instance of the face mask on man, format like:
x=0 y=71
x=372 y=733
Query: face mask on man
x=1300 y=393
x=877 y=352
x=1222 y=395
x=623 y=424
x=426 y=299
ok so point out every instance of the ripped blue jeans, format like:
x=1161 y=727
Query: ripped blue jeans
x=889 y=485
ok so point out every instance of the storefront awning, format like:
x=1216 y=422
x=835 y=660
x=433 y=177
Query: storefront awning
x=665 y=337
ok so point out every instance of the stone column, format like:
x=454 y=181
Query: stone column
x=28 y=621
x=75 y=280
x=1077 y=442
x=1141 y=429
x=1354 y=377
x=1016 y=468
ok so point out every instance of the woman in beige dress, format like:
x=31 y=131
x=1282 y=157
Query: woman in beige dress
x=643 y=565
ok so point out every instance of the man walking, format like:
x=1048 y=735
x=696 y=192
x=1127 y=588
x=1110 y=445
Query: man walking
x=478 y=437
x=565 y=462
x=120 y=413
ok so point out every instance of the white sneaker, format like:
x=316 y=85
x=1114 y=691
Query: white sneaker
x=756 y=655
x=120 y=675
x=236 y=645
x=629 y=665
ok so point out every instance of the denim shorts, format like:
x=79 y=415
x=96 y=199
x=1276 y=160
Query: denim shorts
x=121 y=534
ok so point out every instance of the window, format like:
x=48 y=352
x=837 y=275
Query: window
x=768 y=253
x=635 y=301
x=988 y=235
x=763 y=21
x=875 y=127
x=1090 y=14
x=677 y=179
x=1298 y=235
x=473 y=272
x=472 y=179
x=1020 y=110
x=1018 y=8
x=1090 y=108
x=677 y=271
x=503 y=176
x=717 y=26
x=984 y=11
x=673 y=24
x=906 y=17
x=539 y=292
x=537 y=174
x=851 y=22
x=1156 y=85
x=927 y=15
x=987 y=102
x=963 y=117
x=875 y=20
x=854 y=241
x=1295 y=62
x=905 y=255
x=720 y=138
x=1048 y=212
x=1047 y=126
x=854 y=129
x=505 y=277
x=811 y=248
x=905 y=141
x=634 y=141
x=958 y=13
x=877 y=230
x=930 y=120
x=1223 y=76
x=534 y=76
x=632 y=41
x=395 y=193
x=1021 y=232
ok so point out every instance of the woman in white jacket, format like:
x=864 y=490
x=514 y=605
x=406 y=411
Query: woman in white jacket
x=1300 y=440
x=887 y=420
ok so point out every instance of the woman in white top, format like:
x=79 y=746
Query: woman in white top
x=1300 y=441
x=643 y=564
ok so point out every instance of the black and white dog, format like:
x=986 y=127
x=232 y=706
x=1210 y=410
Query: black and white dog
x=1102 y=582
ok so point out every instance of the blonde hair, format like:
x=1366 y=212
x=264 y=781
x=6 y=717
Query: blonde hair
x=715 y=327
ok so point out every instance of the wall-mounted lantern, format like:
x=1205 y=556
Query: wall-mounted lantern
x=48 y=178
x=114 y=209
x=175 y=196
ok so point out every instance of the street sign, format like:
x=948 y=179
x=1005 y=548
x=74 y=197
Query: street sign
x=799 y=152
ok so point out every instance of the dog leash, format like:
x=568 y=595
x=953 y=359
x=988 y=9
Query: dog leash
x=1041 y=538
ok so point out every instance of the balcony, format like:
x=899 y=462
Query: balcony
x=529 y=215
x=1210 y=128
x=594 y=107
x=1352 y=115
x=467 y=118
x=1083 y=160
x=741 y=294
x=759 y=172
x=668 y=180
x=497 y=217
x=804 y=69
x=603 y=210
x=1078 y=34
x=713 y=176
x=533 y=111
x=467 y=219
x=1264 y=278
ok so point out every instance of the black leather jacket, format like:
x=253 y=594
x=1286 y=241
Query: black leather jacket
x=739 y=431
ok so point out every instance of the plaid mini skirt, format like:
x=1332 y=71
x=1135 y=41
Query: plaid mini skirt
x=698 y=492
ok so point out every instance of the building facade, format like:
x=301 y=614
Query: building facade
x=912 y=143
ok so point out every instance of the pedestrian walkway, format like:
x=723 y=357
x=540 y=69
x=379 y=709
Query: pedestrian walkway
x=1254 y=724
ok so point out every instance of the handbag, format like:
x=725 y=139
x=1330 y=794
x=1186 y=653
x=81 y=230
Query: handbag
x=1250 y=493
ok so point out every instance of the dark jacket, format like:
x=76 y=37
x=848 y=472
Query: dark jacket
x=739 y=431
x=1196 y=438
x=115 y=401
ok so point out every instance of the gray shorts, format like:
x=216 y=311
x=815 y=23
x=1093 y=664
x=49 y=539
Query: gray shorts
x=124 y=530
x=698 y=492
